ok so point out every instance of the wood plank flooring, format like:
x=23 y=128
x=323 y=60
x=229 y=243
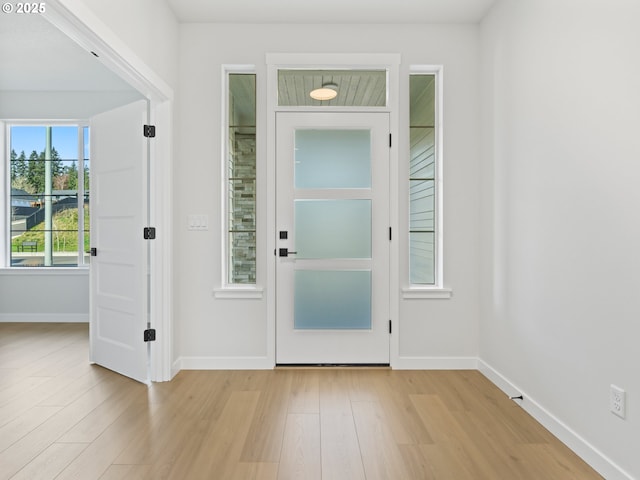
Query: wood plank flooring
x=61 y=418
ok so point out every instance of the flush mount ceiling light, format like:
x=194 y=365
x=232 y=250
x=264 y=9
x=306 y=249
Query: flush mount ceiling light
x=328 y=91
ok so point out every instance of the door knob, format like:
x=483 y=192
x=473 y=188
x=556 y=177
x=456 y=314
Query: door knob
x=284 y=252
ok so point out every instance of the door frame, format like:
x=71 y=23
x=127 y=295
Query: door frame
x=83 y=27
x=389 y=62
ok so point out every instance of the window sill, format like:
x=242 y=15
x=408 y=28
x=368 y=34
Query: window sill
x=412 y=293
x=239 y=292
x=9 y=271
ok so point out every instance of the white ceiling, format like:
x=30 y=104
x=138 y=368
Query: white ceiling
x=36 y=56
x=331 y=11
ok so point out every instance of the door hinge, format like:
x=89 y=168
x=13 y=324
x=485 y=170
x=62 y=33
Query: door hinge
x=150 y=335
x=149 y=233
x=390 y=235
x=390 y=141
x=390 y=329
x=149 y=131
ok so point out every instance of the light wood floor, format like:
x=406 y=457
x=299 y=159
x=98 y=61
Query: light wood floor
x=63 y=418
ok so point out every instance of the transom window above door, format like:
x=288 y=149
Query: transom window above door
x=334 y=88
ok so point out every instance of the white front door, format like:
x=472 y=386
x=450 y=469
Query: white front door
x=118 y=270
x=332 y=238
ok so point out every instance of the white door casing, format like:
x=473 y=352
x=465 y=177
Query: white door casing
x=118 y=211
x=332 y=345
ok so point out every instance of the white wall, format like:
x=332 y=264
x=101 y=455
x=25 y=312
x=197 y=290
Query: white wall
x=31 y=105
x=560 y=261
x=147 y=27
x=210 y=330
x=32 y=296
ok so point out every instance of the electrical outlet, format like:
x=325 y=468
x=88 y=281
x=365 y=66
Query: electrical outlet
x=617 y=401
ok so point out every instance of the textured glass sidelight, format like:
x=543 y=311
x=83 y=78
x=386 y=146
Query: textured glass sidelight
x=332 y=159
x=422 y=180
x=333 y=228
x=241 y=180
x=422 y=257
x=332 y=300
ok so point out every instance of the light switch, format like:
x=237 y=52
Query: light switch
x=198 y=222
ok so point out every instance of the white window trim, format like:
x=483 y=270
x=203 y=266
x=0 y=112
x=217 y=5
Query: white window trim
x=231 y=290
x=239 y=292
x=438 y=289
x=418 y=293
x=5 y=191
x=48 y=271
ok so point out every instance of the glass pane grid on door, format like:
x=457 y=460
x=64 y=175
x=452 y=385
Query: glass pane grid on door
x=332 y=195
x=329 y=163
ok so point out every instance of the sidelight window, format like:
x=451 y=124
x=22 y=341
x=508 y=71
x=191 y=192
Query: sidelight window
x=240 y=172
x=424 y=186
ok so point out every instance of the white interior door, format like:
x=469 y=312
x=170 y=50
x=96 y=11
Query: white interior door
x=332 y=255
x=118 y=270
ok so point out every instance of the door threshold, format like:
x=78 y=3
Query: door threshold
x=384 y=366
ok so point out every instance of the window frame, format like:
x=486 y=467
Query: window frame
x=437 y=289
x=227 y=289
x=5 y=191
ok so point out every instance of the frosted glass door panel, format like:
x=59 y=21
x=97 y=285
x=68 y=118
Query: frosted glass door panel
x=332 y=159
x=332 y=300
x=333 y=228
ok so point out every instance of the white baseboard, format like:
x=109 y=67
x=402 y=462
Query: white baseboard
x=263 y=363
x=176 y=366
x=598 y=461
x=44 y=318
x=435 y=363
x=222 y=363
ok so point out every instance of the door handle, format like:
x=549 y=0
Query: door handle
x=284 y=252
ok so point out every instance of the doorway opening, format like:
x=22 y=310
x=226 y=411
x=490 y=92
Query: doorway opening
x=71 y=36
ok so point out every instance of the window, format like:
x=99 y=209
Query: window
x=424 y=228
x=240 y=177
x=49 y=195
x=332 y=88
